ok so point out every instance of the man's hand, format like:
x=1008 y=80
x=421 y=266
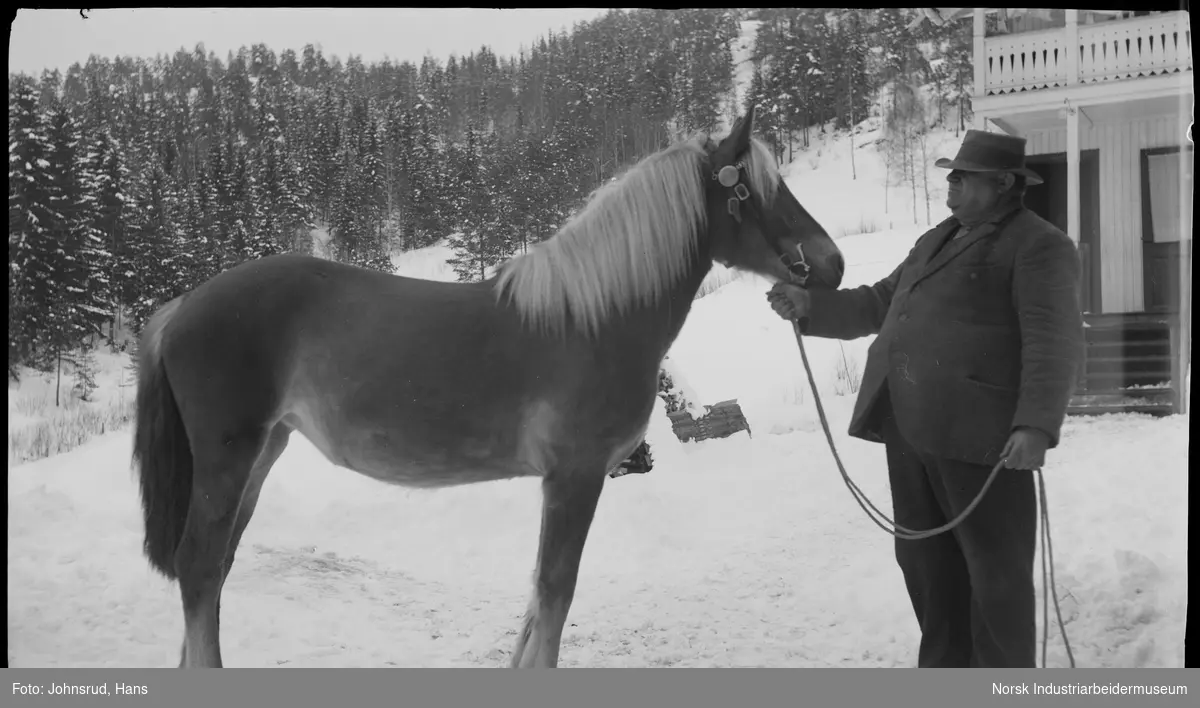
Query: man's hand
x=789 y=301
x=1025 y=450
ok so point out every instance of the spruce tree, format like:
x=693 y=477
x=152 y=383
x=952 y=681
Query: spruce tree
x=109 y=182
x=79 y=308
x=152 y=248
x=31 y=220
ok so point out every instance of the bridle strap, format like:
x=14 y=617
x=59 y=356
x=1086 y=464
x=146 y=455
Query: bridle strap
x=730 y=176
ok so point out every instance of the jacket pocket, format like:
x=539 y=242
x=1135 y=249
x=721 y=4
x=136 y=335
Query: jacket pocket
x=989 y=386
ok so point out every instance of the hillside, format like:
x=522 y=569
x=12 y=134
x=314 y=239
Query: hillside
x=864 y=195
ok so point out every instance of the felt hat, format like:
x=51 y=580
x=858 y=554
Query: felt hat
x=982 y=151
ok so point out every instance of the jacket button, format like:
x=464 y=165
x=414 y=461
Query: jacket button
x=904 y=318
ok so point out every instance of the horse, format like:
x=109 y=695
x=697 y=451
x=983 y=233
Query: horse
x=547 y=369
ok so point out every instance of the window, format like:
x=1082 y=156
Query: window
x=1007 y=21
x=1161 y=175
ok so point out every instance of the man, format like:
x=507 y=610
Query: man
x=979 y=337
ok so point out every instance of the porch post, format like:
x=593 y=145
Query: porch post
x=1183 y=352
x=1071 y=40
x=980 y=65
x=1073 y=175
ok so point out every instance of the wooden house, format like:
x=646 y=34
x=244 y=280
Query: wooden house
x=1105 y=100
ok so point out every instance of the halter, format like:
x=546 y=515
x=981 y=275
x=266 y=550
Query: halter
x=730 y=176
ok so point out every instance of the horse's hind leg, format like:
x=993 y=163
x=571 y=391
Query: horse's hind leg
x=568 y=507
x=276 y=443
x=225 y=466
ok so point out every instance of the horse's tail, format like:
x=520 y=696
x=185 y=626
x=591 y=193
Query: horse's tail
x=160 y=449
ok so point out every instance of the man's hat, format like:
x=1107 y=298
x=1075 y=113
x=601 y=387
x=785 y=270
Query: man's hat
x=982 y=151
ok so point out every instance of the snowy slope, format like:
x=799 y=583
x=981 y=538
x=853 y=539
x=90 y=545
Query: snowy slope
x=429 y=263
x=743 y=72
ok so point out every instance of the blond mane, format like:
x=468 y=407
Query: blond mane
x=630 y=243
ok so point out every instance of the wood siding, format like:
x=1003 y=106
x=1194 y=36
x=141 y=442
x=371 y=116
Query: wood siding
x=1120 y=145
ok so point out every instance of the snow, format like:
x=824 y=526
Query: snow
x=740 y=551
x=743 y=52
x=863 y=196
x=321 y=241
x=429 y=263
x=36 y=390
x=680 y=382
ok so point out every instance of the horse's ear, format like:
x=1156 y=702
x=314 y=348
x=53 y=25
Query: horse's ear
x=738 y=140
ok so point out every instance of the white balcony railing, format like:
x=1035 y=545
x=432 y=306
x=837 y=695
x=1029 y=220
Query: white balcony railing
x=1107 y=51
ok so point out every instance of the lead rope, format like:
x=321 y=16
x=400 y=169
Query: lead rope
x=1048 y=584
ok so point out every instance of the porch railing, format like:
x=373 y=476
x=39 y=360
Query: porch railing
x=1107 y=51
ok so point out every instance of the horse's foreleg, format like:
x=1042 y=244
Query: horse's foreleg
x=568 y=507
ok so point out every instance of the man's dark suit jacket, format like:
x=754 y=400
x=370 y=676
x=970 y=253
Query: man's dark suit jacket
x=976 y=336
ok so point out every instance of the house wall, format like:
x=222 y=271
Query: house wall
x=1120 y=144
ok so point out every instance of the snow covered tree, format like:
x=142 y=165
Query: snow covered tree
x=250 y=237
x=31 y=219
x=903 y=139
x=80 y=307
x=83 y=360
x=356 y=220
x=152 y=248
x=485 y=236
x=108 y=181
x=277 y=184
x=703 y=59
x=428 y=210
x=200 y=242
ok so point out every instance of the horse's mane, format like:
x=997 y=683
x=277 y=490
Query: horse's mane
x=632 y=241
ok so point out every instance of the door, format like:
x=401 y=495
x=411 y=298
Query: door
x=1049 y=201
x=1166 y=243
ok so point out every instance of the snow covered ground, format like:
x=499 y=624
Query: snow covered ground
x=46 y=415
x=33 y=398
x=733 y=552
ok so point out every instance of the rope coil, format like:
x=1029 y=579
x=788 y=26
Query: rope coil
x=907 y=534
